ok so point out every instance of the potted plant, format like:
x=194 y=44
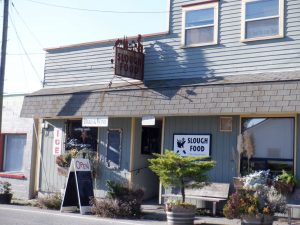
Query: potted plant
x=63 y=161
x=181 y=172
x=257 y=202
x=5 y=192
x=285 y=182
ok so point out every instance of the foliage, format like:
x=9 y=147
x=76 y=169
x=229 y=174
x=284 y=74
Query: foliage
x=179 y=171
x=258 y=197
x=286 y=177
x=64 y=160
x=177 y=205
x=121 y=202
x=52 y=201
x=5 y=187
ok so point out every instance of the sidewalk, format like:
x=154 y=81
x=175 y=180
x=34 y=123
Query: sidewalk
x=155 y=214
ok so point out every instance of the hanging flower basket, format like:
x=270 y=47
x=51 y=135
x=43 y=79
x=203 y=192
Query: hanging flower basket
x=63 y=171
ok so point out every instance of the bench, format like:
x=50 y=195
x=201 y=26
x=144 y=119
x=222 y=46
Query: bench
x=213 y=192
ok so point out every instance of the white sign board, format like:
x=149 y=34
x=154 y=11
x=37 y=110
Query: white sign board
x=192 y=144
x=79 y=188
x=95 y=121
x=57 y=141
x=148 y=121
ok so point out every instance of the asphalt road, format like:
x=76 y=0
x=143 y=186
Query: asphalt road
x=22 y=215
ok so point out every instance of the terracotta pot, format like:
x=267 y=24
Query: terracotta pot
x=5 y=198
x=180 y=214
x=283 y=187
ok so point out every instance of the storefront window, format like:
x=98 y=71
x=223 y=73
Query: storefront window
x=79 y=137
x=273 y=141
x=114 y=138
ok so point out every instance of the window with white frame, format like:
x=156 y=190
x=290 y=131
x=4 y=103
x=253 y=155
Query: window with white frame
x=262 y=19
x=14 y=145
x=200 y=24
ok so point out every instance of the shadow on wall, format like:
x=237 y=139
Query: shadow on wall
x=175 y=68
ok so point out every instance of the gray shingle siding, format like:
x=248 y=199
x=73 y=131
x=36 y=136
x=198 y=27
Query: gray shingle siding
x=166 y=59
x=264 y=97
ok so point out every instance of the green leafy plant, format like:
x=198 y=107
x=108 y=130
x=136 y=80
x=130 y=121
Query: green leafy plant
x=179 y=171
x=287 y=178
x=285 y=182
x=5 y=187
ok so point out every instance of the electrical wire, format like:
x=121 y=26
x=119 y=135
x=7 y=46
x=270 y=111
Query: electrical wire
x=96 y=10
x=30 y=31
x=19 y=39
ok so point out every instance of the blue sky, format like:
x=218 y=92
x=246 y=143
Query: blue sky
x=40 y=25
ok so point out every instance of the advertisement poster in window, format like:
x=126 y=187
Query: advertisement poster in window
x=192 y=144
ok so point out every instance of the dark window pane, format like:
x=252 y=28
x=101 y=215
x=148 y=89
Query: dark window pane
x=114 y=146
x=261 y=9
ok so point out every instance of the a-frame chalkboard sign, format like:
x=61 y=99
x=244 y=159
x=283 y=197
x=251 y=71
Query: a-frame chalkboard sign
x=79 y=188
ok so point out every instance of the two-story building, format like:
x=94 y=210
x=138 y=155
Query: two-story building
x=222 y=68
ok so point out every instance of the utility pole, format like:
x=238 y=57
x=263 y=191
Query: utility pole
x=3 y=56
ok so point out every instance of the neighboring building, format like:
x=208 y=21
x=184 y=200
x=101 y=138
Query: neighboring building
x=17 y=159
x=223 y=68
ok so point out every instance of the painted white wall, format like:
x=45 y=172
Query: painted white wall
x=11 y=124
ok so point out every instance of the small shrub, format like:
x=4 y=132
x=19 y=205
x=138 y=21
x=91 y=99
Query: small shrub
x=52 y=201
x=121 y=202
x=5 y=187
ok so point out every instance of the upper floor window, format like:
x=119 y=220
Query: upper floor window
x=262 y=19
x=200 y=24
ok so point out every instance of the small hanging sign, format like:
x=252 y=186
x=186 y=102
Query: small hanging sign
x=148 y=121
x=101 y=121
x=79 y=189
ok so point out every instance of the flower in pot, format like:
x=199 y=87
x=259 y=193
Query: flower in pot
x=63 y=161
x=257 y=202
x=285 y=182
x=181 y=172
x=5 y=192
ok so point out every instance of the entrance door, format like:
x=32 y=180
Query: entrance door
x=148 y=141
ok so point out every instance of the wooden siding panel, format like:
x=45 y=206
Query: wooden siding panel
x=223 y=143
x=166 y=59
x=50 y=181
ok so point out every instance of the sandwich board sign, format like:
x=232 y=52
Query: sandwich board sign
x=79 y=188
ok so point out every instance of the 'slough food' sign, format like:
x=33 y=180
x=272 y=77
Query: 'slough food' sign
x=192 y=144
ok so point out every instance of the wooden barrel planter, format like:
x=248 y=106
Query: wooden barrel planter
x=181 y=215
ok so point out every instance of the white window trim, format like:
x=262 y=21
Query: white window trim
x=280 y=23
x=214 y=5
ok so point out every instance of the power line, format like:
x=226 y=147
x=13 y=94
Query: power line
x=95 y=10
x=18 y=37
x=30 y=31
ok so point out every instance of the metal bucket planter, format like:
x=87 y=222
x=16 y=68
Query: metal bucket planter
x=5 y=198
x=257 y=220
x=180 y=214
